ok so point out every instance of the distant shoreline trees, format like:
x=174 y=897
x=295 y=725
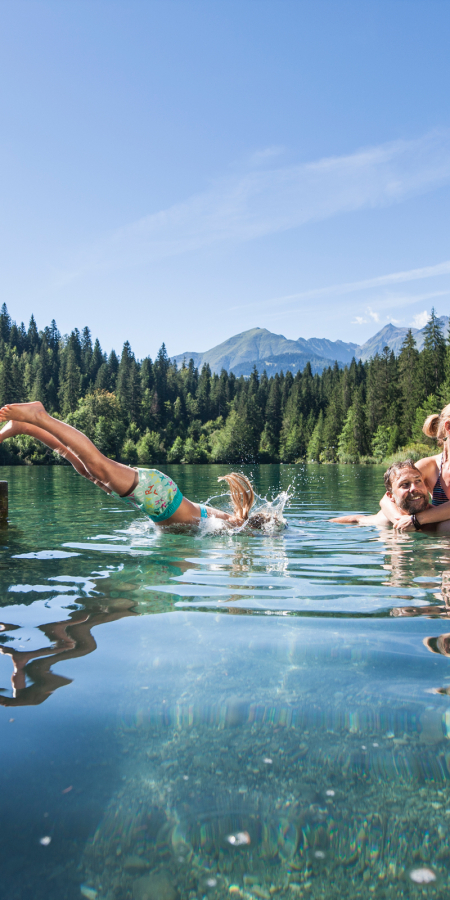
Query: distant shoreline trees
x=150 y=412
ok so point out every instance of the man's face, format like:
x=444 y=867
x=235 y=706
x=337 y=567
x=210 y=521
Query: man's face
x=409 y=492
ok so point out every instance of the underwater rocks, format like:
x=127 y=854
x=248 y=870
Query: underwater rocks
x=334 y=814
x=154 y=887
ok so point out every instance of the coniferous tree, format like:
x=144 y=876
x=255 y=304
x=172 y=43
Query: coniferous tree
x=204 y=392
x=32 y=344
x=113 y=368
x=70 y=387
x=6 y=378
x=410 y=388
x=96 y=361
x=5 y=324
x=43 y=376
x=333 y=424
x=433 y=355
x=315 y=444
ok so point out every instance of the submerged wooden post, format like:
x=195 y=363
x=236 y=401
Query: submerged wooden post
x=3 y=502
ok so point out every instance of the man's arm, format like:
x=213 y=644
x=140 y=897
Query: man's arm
x=378 y=519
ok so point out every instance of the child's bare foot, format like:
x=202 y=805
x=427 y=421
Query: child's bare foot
x=11 y=429
x=23 y=412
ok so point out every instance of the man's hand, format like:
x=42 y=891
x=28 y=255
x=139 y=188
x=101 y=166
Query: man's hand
x=404 y=524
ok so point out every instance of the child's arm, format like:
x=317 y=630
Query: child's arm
x=390 y=509
x=433 y=514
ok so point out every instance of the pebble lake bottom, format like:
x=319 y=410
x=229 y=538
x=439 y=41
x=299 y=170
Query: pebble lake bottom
x=215 y=715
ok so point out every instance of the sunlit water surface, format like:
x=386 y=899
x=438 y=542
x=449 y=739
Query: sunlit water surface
x=221 y=715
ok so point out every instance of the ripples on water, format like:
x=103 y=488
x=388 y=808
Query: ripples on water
x=222 y=714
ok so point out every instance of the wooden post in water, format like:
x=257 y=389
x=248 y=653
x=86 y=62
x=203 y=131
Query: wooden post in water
x=3 y=502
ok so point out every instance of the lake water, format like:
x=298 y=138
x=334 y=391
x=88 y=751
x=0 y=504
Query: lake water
x=221 y=715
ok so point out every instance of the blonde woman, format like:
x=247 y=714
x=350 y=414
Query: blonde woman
x=435 y=471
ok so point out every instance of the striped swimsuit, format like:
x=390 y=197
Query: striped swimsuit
x=439 y=495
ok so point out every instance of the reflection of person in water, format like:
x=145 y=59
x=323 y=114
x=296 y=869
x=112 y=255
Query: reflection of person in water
x=441 y=643
x=406 y=494
x=154 y=493
x=71 y=639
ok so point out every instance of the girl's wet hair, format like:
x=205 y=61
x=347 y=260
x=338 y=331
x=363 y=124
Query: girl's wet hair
x=242 y=493
x=434 y=425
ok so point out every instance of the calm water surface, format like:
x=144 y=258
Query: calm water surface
x=221 y=715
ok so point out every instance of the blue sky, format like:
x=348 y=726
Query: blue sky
x=182 y=171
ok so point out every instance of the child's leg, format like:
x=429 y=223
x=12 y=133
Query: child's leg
x=13 y=428
x=119 y=478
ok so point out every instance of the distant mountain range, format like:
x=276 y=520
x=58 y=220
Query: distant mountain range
x=275 y=353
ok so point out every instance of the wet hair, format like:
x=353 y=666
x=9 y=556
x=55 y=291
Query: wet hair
x=434 y=426
x=391 y=472
x=242 y=493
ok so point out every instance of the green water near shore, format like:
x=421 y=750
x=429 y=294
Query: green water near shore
x=221 y=715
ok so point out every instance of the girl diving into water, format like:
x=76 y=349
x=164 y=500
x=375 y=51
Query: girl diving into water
x=154 y=493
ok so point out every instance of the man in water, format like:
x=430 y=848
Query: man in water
x=406 y=490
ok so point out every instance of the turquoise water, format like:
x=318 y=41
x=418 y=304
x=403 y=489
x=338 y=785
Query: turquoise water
x=221 y=715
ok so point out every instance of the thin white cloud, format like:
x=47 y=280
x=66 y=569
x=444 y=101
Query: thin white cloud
x=263 y=156
x=373 y=315
x=359 y=320
x=393 y=278
x=420 y=320
x=389 y=302
x=263 y=201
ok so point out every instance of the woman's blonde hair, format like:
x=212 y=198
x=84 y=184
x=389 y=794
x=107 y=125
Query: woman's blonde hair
x=242 y=493
x=434 y=426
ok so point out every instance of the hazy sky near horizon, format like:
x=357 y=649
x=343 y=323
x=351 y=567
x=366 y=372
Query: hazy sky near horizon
x=181 y=171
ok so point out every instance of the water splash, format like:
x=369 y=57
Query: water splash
x=266 y=515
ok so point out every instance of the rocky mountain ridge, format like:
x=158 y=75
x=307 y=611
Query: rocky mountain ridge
x=276 y=353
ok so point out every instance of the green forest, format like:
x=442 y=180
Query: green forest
x=149 y=412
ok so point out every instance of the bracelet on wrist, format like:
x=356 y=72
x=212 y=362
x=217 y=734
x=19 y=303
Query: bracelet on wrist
x=415 y=522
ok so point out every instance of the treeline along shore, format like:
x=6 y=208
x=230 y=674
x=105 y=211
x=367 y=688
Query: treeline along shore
x=150 y=412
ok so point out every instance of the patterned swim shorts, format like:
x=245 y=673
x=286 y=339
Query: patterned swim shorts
x=155 y=494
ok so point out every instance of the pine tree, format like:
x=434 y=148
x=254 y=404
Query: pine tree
x=86 y=354
x=6 y=379
x=333 y=424
x=147 y=379
x=128 y=388
x=113 y=368
x=160 y=370
x=433 y=355
x=409 y=384
x=359 y=422
x=5 y=324
x=270 y=438
x=32 y=344
x=204 y=392
x=43 y=375
x=97 y=360
x=315 y=445
x=70 y=388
